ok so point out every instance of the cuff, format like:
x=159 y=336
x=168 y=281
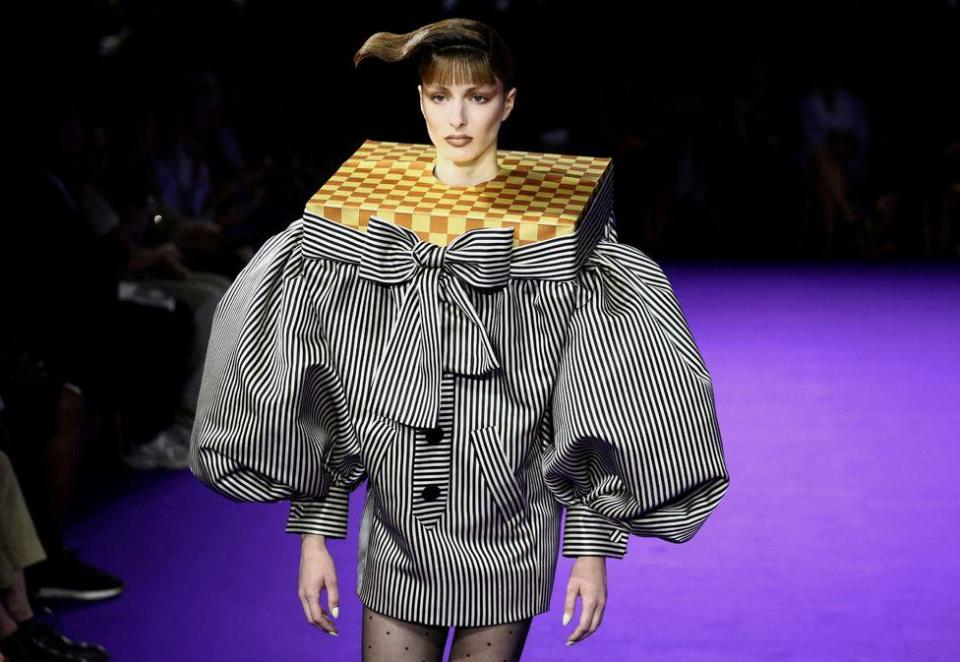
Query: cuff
x=585 y=533
x=327 y=517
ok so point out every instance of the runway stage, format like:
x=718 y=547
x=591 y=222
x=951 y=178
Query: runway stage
x=839 y=399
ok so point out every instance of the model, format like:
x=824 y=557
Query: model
x=481 y=379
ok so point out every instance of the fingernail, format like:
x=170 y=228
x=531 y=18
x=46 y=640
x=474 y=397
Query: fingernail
x=335 y=634
x=336 y=612
x=570 y=643
x=566 y=618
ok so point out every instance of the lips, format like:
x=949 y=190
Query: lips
x=459 y=142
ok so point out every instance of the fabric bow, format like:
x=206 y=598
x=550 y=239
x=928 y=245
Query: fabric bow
x=420 y=346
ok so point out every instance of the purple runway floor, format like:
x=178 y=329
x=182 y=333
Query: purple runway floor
x=839 y=400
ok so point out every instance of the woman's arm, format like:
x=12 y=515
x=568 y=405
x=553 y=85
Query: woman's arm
x=588 y=579
x=318 y=572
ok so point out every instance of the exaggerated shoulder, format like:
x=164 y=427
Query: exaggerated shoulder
x=620 y=285
x=619 y=269
x=281 y=254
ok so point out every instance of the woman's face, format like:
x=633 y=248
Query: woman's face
x=466 y=109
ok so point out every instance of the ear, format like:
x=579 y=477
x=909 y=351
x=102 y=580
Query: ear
x=508 y=103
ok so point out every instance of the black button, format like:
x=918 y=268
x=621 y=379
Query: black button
x=430 y=493
x=434 y=435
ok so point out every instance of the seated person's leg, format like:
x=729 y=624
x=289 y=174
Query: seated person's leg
x=19 y=545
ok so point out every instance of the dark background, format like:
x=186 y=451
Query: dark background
x=699 y=104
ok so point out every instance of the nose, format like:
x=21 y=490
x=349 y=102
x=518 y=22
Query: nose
x=457 y=118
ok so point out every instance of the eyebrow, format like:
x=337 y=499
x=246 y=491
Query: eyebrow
x=469 y=89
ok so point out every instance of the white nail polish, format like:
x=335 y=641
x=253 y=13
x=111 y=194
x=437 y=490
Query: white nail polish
x=570 y=643
x=334 y=634
x=566 y=618
x=336 y=612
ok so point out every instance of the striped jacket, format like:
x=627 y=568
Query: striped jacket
x=481 y=391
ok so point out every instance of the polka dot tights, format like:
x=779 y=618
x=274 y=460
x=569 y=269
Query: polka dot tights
x=493 y=643
x=387 y=639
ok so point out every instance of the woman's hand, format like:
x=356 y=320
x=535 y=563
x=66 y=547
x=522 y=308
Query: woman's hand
x=317 y=572
x=588 y=579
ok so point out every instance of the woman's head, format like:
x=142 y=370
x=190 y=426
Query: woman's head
x=466 y=81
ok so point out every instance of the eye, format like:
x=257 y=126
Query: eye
x=483 y=98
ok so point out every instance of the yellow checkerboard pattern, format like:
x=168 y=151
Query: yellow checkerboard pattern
x=540 y=195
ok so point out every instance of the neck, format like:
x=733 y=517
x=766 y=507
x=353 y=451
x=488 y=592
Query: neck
x=471 y=173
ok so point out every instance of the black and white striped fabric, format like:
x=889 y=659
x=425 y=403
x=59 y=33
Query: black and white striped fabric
x=480 y=390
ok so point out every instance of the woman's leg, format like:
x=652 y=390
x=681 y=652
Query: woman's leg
x=386 y=639
x=493 y=643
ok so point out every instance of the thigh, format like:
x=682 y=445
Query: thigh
x=386 y=639
x=493 y=643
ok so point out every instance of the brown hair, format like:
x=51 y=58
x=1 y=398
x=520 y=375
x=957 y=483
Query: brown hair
x=449 y=51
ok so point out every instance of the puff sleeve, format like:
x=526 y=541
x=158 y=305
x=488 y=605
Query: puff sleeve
x=635 y=445
x=273 y=422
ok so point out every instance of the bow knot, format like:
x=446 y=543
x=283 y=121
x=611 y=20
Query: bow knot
x=436 y=328
x=429 y=255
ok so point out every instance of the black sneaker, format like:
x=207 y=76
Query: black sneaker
x=37 y=641
x=65 y=577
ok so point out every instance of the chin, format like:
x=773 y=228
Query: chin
x=455 y=155
x=463 y=155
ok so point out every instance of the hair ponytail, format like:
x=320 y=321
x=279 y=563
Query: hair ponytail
x=454 y=49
